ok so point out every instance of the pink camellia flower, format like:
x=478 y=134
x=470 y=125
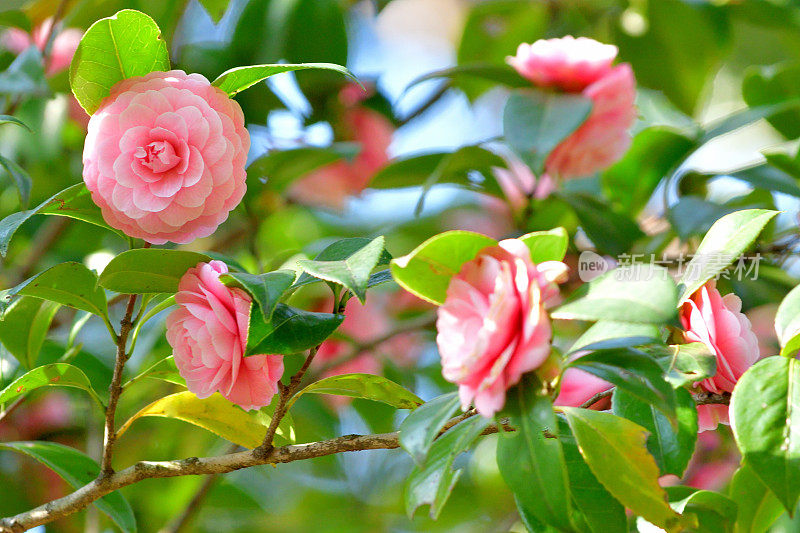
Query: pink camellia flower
x=578 y=387
x=330 y=185
x=64 y=45
x=208 y=335
x=584 y=66
x=493 y=326
x=717 y=322
x=164 y=157
x=519 y=184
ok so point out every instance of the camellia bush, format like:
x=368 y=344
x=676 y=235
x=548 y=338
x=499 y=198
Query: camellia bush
x=568 y=324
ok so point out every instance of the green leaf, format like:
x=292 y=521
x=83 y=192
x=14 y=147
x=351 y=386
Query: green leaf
x=611 y=231
x=164 y=370
x=421 y=426
x=633 y=371
x=291 y=330
x=727 y=239
x=427 y=270
x=148 y=270
x=77 y=469
x=14 y=18
x=125 y=45
x=769 y=85
x=547 y=245
x=24 y=327
x=20 y=178
x=491 y=72
x=457 y=168
x=366 y=386
x=265 y=289
x=746 y=116
x=215 y=8
x=602 y=513
x=787 y=323
x=8 y=119
x=219 y=416
x=52 y=375
x=614 y=449
x=715 y=512
x=605 y=334
x=341 y=250
x=25 y=76
x=680 y=50
x=758 y=506
x=672 y=447
x=71 y=284
x=279 y=169
x=353 y=272
x=73 y=202
x=636 y=293
x=765 y=416
x=780 y=174
x=684 y=364
x=535 y=122
x=655 y=152
x=531 y=460
x=432 y=483
x=238 y=79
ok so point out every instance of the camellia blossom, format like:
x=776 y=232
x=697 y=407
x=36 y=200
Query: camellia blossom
x=64 y=45
x=584 y=66
x=519 y=183
x=493 y=327
x=717 y=322
x=165 y=157
x=208 y=335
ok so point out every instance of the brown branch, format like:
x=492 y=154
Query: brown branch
x=194 y=466
x=114 y=389
x=709 y=398
x=596 y=398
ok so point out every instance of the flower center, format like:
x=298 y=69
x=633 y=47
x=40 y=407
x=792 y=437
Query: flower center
x=158 y=156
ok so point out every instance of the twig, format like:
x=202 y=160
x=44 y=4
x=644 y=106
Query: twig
x=709 y=398
x=596 y=398
x=195 y=503
x=435 y=97
x=115 y=389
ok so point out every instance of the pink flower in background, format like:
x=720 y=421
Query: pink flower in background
x=578 y=387
x=65 y=43
x=519 y=184
x=208 y=335
x=330 y=185
x=493 y=326
x=717 y=322
x=164 y=157
x=584 y=66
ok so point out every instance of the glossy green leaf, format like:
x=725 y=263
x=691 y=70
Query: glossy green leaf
x=353 y=272
x=73 y=202
x=614 y=448
x=266 y=289
x=291 y=330
x=8 y=119
x=238 y=79
x=365 y=386
x=427 y=270
x=25 y=76
x=747 y=116
x=715 y=512
x=341 y=250
x=15 y=18
x=599 y=509
x=421 y=426
x=728 y=238
x=765 y=416
x=70 y=284
x=530 y=458
x=164 y=370
x=757 y=505
x=20 y=178
x=684 y=364
x=636 y=293
x=432 y=483
x=787 y=323
x=490 y=72
x=611 y=231
x=77 y=469
x=780 y=174
x=52 y=375
x=633 y=371
x=535 y=122
x=773 y=84
x=122 y=46
x=605 y=334
x=547 y=245
x=148 y=270
x=24 y=327
x=671 y=446
x=279 y=169
x=215 y=8
x=219 y=416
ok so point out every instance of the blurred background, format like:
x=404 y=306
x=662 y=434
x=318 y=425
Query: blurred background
x=323 y=165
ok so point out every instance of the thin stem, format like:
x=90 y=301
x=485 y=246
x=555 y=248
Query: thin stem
x=430 y=102
x=596 y=398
